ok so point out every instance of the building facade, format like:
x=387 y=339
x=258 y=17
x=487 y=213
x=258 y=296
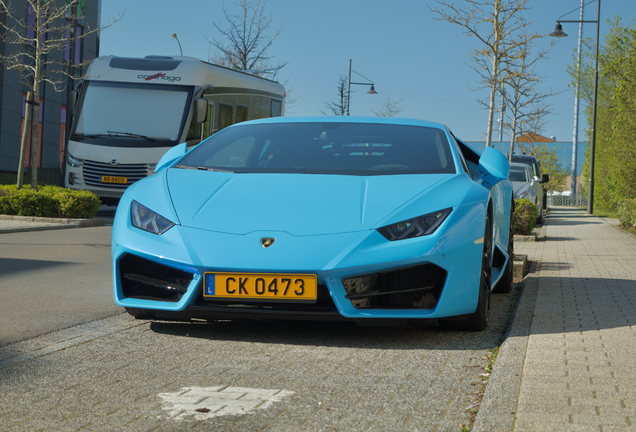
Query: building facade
x=53 y=118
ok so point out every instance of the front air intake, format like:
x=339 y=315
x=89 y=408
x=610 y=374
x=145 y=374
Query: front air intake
x=148 y=280
x=411 y=288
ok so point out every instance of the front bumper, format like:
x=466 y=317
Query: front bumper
x=427 y=277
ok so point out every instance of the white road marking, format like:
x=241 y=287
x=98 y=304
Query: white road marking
x=219 y=401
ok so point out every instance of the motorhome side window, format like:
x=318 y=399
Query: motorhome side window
x=241 y=113
x=225 y=115
x=277 y=108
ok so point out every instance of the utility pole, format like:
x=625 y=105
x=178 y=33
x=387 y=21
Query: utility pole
x=575 y=135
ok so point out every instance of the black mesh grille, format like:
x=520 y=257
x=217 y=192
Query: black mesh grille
x=148 y=280
x=412 y=288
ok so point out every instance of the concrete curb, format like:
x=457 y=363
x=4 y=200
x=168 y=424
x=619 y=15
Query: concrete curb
x=499 y=405
x=15 y=224
x=75 y=222
x=497 y=411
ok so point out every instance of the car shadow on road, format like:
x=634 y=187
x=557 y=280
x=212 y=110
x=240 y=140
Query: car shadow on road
x=419 y=334
x=9 y=266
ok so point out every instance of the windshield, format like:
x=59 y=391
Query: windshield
x=325 y=148
x=518 y=174
x=149 y=111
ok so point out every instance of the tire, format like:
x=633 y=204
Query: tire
x=141 y=313
x=478 y=320
x=505 y=284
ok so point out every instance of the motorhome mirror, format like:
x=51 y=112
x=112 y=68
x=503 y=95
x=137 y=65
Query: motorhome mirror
x=201 y=110
x=72 y=102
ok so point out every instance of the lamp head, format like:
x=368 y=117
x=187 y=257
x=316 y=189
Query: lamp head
x=372 y=90
x=558 y=31
x=174 y=35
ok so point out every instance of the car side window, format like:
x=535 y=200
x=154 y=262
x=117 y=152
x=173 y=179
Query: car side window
x=461 y=158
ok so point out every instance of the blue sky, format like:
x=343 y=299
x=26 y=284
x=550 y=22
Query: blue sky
x=398 y=45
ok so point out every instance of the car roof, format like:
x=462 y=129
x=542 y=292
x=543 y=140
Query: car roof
x=347 y=119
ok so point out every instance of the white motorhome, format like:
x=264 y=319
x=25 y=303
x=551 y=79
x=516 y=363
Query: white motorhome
x=133 y=110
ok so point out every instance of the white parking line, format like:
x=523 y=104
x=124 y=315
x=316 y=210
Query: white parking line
x=207 y=402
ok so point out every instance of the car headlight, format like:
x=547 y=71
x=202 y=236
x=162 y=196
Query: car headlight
x=144 y=218
x=74 y=162
x=416 y=227
x=524 y=194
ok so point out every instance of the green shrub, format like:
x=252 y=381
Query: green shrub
x=78 y=204
x=627 y=213
x=48 y=201
x=524 y=217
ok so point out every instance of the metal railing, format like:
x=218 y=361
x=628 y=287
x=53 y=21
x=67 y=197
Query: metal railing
x=577 y=200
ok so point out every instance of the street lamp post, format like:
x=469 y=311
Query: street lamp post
x=371 y=90
x=558 y=32
x=174 y=35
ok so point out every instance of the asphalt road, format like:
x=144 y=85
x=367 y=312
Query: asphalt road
x=52 y=280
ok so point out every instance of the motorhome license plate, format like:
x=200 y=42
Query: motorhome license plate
x=114 y=179
x=260 y=286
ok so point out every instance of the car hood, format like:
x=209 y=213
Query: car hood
x=300 y=204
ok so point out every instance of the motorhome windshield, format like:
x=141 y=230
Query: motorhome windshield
x=145 y=112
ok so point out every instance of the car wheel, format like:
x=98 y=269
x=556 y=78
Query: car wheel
x=505 y=284
x=478 y=320
x=540 y=217
x=141 y=313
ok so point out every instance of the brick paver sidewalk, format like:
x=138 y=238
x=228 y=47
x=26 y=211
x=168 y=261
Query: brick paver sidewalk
x=577 y=364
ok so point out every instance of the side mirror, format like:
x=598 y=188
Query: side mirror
x=171 y=155
x=72 y=101
x=493 y=166
x=201 y=110
x=545 y=178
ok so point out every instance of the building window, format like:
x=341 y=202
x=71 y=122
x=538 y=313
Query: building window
x=78 y=44
x=67 y=43
x=62 y=135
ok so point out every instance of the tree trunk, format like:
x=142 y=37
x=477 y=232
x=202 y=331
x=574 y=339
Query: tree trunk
x=491 y=105
x=513 y=134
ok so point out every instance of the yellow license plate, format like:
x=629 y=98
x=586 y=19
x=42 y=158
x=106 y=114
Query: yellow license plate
x=260 y=286
x=114 y=179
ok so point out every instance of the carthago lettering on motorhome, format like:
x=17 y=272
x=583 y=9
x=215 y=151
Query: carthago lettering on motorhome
x=159 y=75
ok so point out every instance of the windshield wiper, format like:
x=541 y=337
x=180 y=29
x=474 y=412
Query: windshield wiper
x=129 y=134
x=213 y=169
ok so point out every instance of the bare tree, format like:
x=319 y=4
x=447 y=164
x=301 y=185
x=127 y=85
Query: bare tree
x=389 y=108
x=495 y=23
x=38 y=58
x=339 y=107
x=246 y=40
x=527 y=104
